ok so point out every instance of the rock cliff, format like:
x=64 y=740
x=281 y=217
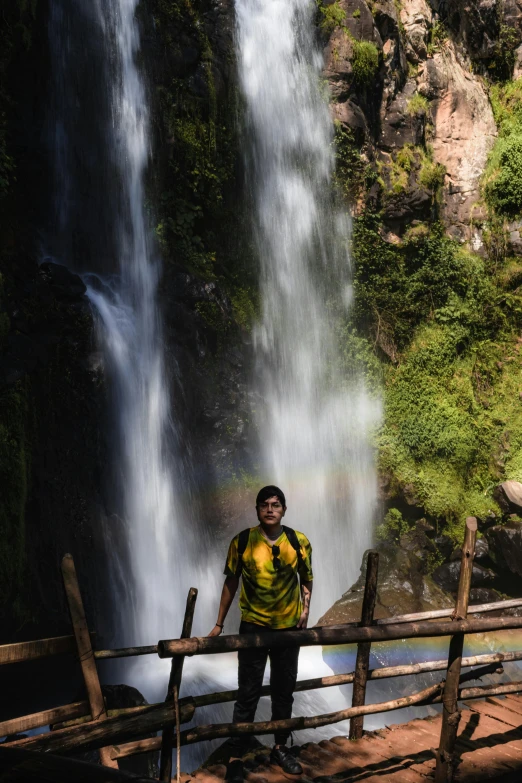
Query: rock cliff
x=425 y=97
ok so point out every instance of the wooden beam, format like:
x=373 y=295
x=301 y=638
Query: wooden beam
x=201 y=733
x=126 y=652
x=40 y=648
x=436 y=614
x=332 y=635
x=362 y=662
x=97 y=734
x=45 y=718
x=176 y=671
x=445 y=766
x=85 y=651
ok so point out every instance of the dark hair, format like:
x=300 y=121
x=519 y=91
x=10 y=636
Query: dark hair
x=270 y=492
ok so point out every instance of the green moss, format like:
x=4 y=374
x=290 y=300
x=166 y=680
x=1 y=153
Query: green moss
x=432 y=175
x=332 y=16
x=365 y=62
x=357 y=13
x=393 y=526
x=245 y=307
x=418 y=105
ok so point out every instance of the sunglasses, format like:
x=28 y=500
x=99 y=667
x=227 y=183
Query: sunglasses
x=275 y=553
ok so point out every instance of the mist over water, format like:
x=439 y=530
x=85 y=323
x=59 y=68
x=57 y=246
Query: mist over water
x=315 y=416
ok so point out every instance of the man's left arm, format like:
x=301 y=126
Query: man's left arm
x=306 y=595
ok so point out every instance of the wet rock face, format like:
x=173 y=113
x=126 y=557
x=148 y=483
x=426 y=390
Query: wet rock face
x=505 y=542
x=404 y=586
x=447 y=576
x=457 y=120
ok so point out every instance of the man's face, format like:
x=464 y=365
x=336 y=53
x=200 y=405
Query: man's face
x=270 y=512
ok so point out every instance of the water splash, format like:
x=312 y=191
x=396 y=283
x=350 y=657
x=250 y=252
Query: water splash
x=314 y=423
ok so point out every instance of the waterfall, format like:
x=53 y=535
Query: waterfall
x=100 y=147
x=130 y=331
x=313 y=425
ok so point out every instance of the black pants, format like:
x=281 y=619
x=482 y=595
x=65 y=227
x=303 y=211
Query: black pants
x=283 y=676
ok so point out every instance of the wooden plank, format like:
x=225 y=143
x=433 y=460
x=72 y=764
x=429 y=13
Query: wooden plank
x=362 y=663
x=135 y=748
x=484 y=738
x=39 y=648
x=514 y=703
x=496 y=712
x=176 y=671
x=450 y=712
x=44 y=718
x=85 y=651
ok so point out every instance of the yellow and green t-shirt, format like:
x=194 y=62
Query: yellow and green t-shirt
x=270 y=596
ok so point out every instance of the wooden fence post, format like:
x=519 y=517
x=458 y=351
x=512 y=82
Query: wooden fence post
x=176 y=670
x=85 y=651
x=450 y=711
x=363 y=648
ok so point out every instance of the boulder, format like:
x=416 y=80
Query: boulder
x=64 y=283
x=447 y=576
x=509 y=496
x=505 y=543
x=404 y=585
x=481 y=550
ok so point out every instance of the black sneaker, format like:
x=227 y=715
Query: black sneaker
x=284 y=759
x=235 y=771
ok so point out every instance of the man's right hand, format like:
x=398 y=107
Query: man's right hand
x=216 y=631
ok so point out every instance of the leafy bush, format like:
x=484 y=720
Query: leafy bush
x=504 y=189
x=365 y=62
x=393 y=526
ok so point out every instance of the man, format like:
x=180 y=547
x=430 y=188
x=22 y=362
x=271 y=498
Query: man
x=276 y=565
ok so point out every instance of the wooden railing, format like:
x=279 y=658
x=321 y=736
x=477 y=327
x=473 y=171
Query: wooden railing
x=116 y=734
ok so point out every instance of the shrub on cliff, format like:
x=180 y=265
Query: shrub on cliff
x=504 y=189
x=365 y=62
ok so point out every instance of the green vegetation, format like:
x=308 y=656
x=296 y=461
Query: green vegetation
x=501 y=66
x=393 y=526
x=357 y=13
x=436 y=38
x=394 y=173
x=365 y=62
x=446 y=325
x=502 y=182
x=332 y=16
x=418 y=104
x=199 y=216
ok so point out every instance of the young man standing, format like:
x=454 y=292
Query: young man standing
x=276 y=565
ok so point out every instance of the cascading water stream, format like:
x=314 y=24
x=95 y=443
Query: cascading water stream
x=130 y=332
x=314 y=423
x=155 y=550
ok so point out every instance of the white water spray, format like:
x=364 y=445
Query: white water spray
x=156 y=530
x=314 y=424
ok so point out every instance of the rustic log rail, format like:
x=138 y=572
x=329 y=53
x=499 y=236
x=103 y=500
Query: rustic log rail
x=116 y=733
